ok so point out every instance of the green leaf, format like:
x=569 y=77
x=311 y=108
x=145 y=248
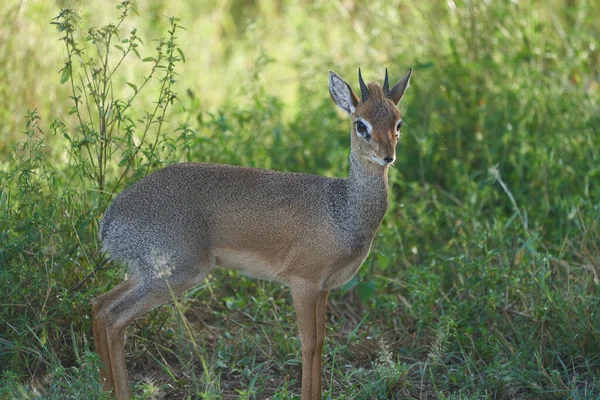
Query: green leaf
x=131 y=85
x=366 y=290
x=230 y=303
x=66 y=74
x=383 y=260
x=350 y=284
x=181 y=54
x=149 y=59
x=124 y=160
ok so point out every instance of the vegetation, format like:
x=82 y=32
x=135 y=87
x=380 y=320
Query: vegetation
x=483 y=281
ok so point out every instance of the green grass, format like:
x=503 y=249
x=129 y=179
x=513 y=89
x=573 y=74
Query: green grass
x=483 y=280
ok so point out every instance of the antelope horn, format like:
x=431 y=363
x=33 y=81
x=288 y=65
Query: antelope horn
x=364 y=91
x=386 y=86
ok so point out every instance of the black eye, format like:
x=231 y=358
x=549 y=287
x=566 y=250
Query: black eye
x=361 y=128
x=398 y=127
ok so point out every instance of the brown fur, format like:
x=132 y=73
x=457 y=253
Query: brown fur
x=383 y=115
x=309 y=232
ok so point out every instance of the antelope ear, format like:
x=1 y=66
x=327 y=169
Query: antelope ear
x=399 y=88
x=341 y=93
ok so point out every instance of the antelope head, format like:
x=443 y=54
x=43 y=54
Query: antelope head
x=376 y=120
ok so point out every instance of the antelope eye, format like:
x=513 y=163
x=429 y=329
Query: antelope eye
x=399 y=126
x=361 y=128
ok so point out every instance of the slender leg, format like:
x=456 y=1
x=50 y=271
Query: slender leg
x=316 y=362
x=116 y=338
x=115 y=310
x=99 y=307
x=102 y=349
x=122 y=312
x=305 y=303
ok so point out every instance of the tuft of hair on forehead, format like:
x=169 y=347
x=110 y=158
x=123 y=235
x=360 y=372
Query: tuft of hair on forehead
x=376 y=92
x=378 y=109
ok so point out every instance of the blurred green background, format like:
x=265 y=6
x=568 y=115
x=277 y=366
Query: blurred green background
x=483 y=279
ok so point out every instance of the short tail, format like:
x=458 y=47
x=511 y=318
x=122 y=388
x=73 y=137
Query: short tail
x=103 y=227
x=101 y=231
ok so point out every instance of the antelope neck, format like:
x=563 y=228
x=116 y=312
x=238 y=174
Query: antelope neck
x=367 y=196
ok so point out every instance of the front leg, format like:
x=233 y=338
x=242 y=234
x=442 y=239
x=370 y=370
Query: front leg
x=305 y=303
x=316 y=367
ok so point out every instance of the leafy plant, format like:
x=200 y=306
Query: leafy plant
x=106 y=131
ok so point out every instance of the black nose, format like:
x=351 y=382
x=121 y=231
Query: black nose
x=389 y=160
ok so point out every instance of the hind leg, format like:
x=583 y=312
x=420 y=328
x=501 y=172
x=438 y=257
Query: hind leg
x=99 y=306
x=120 y=314
x=120 y=307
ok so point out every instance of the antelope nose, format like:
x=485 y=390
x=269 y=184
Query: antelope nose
x=389 y=160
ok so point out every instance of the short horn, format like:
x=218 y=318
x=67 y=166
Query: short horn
x=364 y=91
x=386 y=85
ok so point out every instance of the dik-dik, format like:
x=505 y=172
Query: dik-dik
x=309 y=232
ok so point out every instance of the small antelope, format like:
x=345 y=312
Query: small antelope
x=309 y=232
